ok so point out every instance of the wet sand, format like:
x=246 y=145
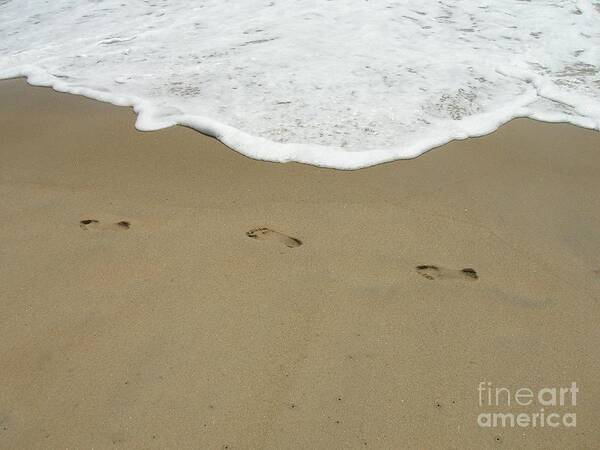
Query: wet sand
x=158 y=290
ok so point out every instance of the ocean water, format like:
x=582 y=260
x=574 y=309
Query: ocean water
x=338 y=83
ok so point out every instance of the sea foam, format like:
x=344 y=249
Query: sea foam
x=343 y=84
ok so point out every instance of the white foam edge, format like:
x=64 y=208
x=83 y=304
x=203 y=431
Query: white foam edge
x=150 y=118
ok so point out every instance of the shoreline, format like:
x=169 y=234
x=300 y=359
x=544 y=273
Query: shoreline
x=181 y=330
x=261 y=149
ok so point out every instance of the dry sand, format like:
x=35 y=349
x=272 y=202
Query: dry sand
x=177 y=330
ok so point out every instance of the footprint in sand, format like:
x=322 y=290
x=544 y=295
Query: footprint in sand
x=93 y=224
x=265 y=234
x=88 y=224
x=439 y=273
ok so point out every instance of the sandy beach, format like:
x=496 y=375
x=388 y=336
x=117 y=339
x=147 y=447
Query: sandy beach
x=139 y=309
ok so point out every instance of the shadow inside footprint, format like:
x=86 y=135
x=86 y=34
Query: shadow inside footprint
x=432 y=272
x=266 y=234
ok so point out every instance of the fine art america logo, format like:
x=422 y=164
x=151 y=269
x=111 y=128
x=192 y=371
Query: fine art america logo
x=525 y=407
